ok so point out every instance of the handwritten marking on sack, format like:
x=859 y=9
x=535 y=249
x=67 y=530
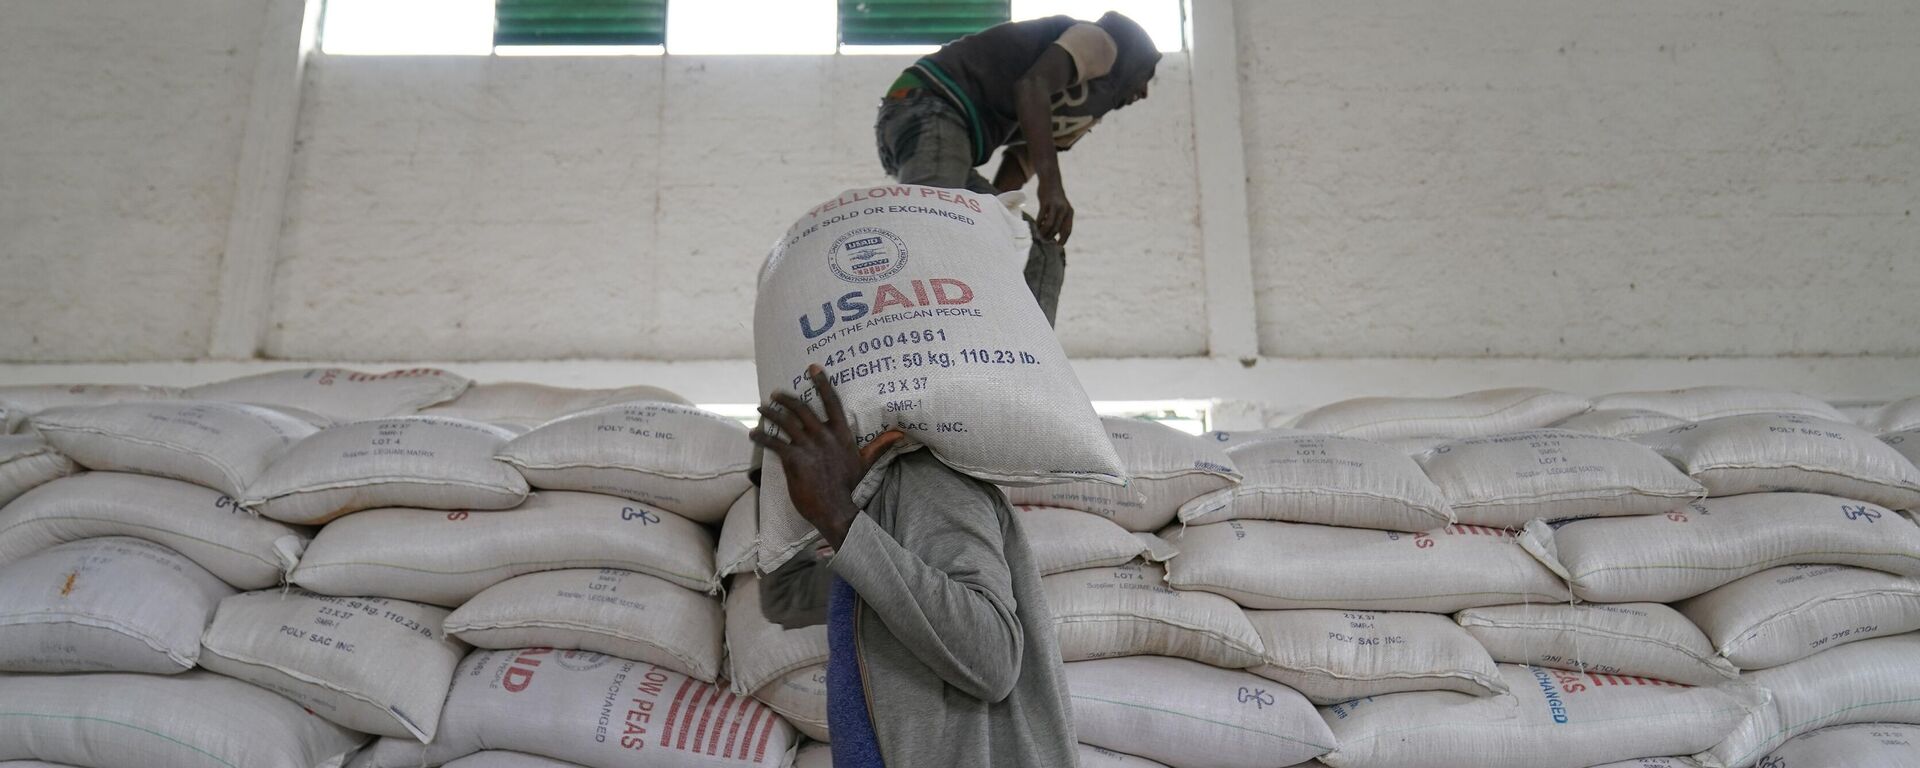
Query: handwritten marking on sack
x=1258 y=697
x=67 y=588
x=1860 y=512
x=645 y=516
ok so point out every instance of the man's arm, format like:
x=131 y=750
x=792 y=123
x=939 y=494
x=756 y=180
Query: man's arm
x=1013 y=168
x=1033 y=105
x=939 y=580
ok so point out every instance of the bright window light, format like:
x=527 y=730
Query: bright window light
x=888 y=50
x=752 y=27
x=408 y=27
x=579 y=50
x=1161 y=18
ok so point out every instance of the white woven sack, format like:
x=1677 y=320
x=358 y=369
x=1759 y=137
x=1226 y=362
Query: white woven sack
x=338 y=393
x=224 y=446
x=1784 y=452
x=554 y=704
x=606 y=610
x=194 y=718
x=821 y=756
x=445 y=558
x=1872 y=681
x=1784 y=614
x=371 y=664
x=1128 y=610
x=1095 y=757
x=760 y=651
x=1652 y=762
x=1230 y=439
x=530 y=405
x=1069 y=540
x=1551 y=718
x=1636 y=639
x=1326 y=480
x=679 y=458
x=800 y=696
x=739 y=544
x=499 y=758
x=428 y=462
x=1165 y=469
x=111 y=604
x=1622 y=422
x=11 y=417
x=1336 y=656
x=1702 y=403
x=245 y=551
x=1506 y=480
x=27 y=462
x=1861 y=745
x=1284 y=566
x=1906 y=442
x=1897 y=416
x=1663 y=558
x=34 y=398
x=1186 y=714
x=913 y=300
x=1487 y=412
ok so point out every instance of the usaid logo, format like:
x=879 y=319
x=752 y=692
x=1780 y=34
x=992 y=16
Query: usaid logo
x=867 y=255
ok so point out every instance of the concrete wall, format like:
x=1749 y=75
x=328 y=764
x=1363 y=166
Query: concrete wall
x=1459 y=179
x=120 y=126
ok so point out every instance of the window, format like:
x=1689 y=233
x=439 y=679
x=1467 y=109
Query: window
x=1165 y=20
x=916 y=22
x=579 y=22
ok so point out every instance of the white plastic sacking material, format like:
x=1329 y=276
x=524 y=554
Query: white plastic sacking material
x=1784 y=614
x=245 y=551
x=1713 y=402
x=1487 y=412
x=679 y=458
x=34 y=398
x=371 y=664
x=1187 y=715
x=445 y=558
x=1506 y=480
x=1128 y=610
x=800 y=696
x=1784 y=452
x=1069 y=539
x=111 y=604
x=224 y=446
x=1165 y=469
x=428 y=462
x=1861 y=745
x=1872 y=681
x=554 y=704
x=499 y=758
x=27 y=462
x=1652 y=762
x=1551 y=718
x=11 y=417
x=1230 y=439
x=194 y=718
x=821 y=756
x=760 y=651
x=1664 y=558
x=1326 y=480
x=1897 y=416
x=1906 y=442
x=606 y=610
x=339 y=393
x=1095 y=757
x=738 y=547
x=531 y=405
x=1336 y=656
x=913 y=300
x=1624 y=422
x=1635 y=639
x=1283 y=566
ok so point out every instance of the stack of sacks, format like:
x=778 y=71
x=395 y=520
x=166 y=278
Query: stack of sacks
x=29 y=399
x=26 y=462
x=1897 y=416
x=1418 y=420
x=528 y=405
x=1872 y=681
x=1627 y=414
x=1165 y=469
x=338 y=393
x=1861 y=745
x=785 y=669
x=110 y=580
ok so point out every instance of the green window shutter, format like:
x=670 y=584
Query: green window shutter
x=917 y=22
x=580 y=22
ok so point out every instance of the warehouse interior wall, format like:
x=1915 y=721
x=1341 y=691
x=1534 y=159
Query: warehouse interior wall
x=1483 y=180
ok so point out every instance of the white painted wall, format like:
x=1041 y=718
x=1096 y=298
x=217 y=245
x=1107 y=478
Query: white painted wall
x=120 y=126
x=1475 y=178
x=1557 y=178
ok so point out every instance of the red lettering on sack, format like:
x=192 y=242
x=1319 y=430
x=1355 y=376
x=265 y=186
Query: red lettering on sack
x=940 y=286
x=673 y=711
x=457 y=516
x=679 y=740
x=753 y=727
x=732 y=724
x=520 y=674
x=766 y=734
x=715 y=704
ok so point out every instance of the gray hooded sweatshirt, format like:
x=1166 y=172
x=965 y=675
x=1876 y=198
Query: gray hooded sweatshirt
x=954 y=639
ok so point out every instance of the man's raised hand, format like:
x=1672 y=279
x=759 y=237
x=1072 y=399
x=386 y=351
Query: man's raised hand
x=820 y=458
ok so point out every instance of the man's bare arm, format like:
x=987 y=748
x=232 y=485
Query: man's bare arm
x=1033 y=103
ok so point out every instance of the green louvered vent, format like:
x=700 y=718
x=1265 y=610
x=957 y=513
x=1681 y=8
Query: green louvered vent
x=917 y=22
x=580 y=22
